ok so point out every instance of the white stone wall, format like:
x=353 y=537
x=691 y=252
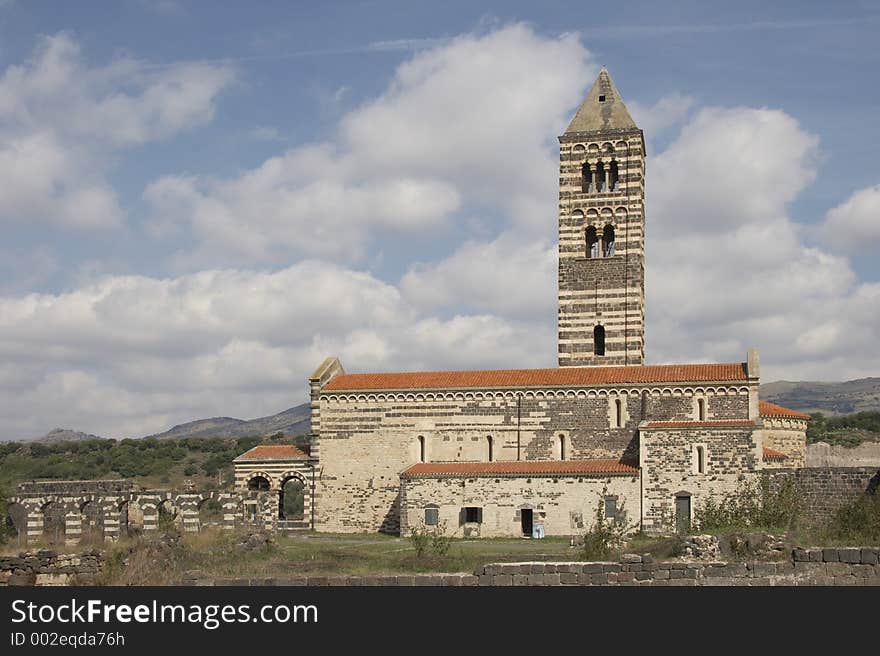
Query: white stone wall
x=565 y=505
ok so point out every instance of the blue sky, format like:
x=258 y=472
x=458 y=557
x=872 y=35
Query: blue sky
x=204 y=199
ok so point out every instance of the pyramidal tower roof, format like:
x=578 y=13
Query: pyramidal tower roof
x=603 y=108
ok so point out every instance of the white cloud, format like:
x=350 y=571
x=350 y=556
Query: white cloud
x=61 y=120
x=726 y=264
x=462 y=134
x=136 y=354
x=504 y=276
x=667 y=112
x=467 y=124
x=854 y=225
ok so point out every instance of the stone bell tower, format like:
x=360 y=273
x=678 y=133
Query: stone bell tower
x=602 y=233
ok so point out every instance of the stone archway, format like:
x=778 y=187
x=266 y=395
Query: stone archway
x=168 y=515
x=210 y=513
x=91 y=522
x=291 y=498
x=53 y=522
x=15 y=523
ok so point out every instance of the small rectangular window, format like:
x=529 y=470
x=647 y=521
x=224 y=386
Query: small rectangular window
x=473 y=515
x=432 y=516
x=610 y=507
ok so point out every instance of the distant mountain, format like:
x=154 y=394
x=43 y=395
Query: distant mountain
x=860 y=395
x=65 y=435
x=293 y=421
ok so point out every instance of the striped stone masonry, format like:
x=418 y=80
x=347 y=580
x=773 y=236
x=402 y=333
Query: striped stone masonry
x=68 y=512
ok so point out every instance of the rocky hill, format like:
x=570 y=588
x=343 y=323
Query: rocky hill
x=862 y=395
x=293 y=421
x=66 y=435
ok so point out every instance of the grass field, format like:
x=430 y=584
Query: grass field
x=217 y=555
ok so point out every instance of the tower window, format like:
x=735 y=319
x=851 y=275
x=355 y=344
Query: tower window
x=608 y=241
x=599 y=340
x=614 y=175
x=592 y=242
x=602 y=98
x=586 y=178
x=600 y=177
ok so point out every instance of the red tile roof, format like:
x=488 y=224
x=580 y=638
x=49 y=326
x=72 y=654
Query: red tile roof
x=718 y=423
x=560 y=376
x=521 y=468
x=768 y=409
x=273 y=452
x=770 y=454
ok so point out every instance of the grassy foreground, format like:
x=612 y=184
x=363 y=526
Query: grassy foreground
x=219 y=554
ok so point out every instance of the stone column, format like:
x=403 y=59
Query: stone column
x=150 y=508
x=34 y=530
x=72 y=527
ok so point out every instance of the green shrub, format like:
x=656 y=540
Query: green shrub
x=857 y=522
x=606 y=534
x=424 y=538
x=752 y=505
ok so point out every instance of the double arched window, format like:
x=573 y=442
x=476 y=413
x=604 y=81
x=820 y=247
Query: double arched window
x=603 y=247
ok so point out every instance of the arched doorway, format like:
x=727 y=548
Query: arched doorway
x=53 y=522
x=291 y=503
x=92 y=522
x=210 y=513
x=166 y=515
x=15 y=523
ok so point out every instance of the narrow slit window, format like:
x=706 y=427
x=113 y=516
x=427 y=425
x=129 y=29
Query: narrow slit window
x=586 y=178
x=599 y=340
x=490 y=449
x=600 y=176
x=701 y=409
x=592 y=242
x=421 y=448
x=700 y=459
x=614 y=175
x=618 y=413
x=562 y=454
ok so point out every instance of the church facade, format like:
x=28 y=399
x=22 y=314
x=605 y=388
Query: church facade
x=515 y=452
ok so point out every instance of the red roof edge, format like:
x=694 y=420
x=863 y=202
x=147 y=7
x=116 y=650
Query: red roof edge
x=521 y=468
x=768 y=409
x=274 y=452
x=772 y=454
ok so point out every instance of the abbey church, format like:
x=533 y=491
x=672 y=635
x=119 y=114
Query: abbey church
x=522 y=451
